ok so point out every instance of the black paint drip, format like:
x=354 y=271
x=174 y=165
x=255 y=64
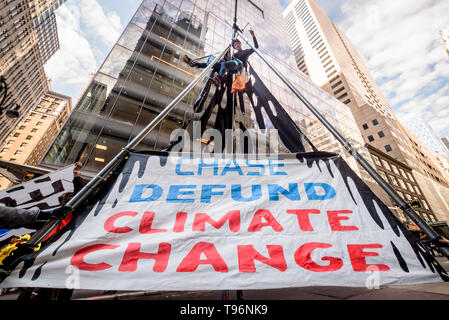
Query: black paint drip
x=38 y=271
x=398 y=255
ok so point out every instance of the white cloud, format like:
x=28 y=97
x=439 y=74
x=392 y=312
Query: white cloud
x=85 y=32
x=105 y=26
x=75 y=61
x=401 y=45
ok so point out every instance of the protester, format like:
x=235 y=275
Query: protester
x=14 y=218
x=226 y=65
x=432 y=247
x=11 y=218
x=240 y=60
x=78 y=184
x=215 y=69
x=444 y=241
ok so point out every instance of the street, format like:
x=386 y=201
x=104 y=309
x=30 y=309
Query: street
x=438 y=291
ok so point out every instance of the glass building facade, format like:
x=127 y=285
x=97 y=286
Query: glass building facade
x=145 y=71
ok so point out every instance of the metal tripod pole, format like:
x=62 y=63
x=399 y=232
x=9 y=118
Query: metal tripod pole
x=432 y=234
x=235 y=15
x=40 y=235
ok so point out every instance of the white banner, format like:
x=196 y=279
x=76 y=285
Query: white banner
x=170 y=223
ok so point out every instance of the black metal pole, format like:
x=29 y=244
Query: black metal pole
x=235 y=12
x=235 y=19
x=432 y=234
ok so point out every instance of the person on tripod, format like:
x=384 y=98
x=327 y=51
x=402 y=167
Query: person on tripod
x=226 y=65
x=239 y=61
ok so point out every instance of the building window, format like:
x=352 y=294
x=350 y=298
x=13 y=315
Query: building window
x=381 y=134
x=386 y=165
x=388 y=148
x=339 y=90
x=16 y=135
x=417 y=190
x=343 y=96
x=332 y=73
x=29 y=137
x=376 y=160
x=370 y=138
x=403 y=174
x=395 y=169
x=334 y=79
x=383 y=175
x=401 y=182
x=365 y=126
x=394 y=181
x=337 y=84
x=375 y=122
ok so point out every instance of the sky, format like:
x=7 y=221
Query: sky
x=87 y=30
x=401 y=45
x=399 y=41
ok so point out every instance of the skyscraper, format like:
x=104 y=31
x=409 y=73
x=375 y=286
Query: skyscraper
x=334 y=64
x=47 y=34
x=324 y=53
x=28 y=38
x=145 y=71
x=30 y=140
x=427 y=136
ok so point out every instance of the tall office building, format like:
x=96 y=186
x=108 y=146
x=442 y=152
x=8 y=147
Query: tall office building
x=426 y=135
x=324 y=53
x=145 y=71
x=29 y=142
x=28 y=38
x=47 y=34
